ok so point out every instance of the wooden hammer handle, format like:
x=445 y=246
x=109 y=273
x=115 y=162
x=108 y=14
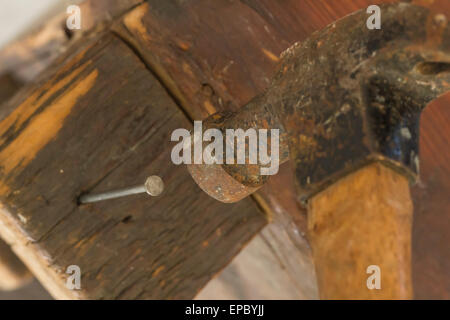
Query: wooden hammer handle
x=358 y=227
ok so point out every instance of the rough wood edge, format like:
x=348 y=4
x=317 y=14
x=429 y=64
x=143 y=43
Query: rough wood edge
x=34 y=258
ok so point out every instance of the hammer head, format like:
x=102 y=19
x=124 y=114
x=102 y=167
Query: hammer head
x=348 y=95
x=345 y=97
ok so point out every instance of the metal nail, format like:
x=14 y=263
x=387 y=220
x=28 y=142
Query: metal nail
x=154 y=186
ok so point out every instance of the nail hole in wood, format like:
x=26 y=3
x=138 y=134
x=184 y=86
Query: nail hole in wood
x=127 y=219
x=433 y=68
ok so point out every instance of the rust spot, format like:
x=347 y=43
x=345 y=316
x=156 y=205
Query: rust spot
x=270 y=55
x=185 y=46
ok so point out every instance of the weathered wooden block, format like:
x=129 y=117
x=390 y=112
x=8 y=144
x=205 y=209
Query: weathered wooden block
x=104 y=121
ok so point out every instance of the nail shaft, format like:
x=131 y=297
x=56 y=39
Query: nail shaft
x=152 y=186
x=89 y=198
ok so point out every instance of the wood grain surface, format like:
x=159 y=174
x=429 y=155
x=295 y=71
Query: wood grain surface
x=101 y=122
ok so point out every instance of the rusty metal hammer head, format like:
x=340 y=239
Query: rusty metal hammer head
x=345 y=97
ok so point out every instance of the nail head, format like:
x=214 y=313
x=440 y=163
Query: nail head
x=154 y=186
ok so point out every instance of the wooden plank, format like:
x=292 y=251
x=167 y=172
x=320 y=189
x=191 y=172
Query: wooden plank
x=103 y=121
x=213 y=59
